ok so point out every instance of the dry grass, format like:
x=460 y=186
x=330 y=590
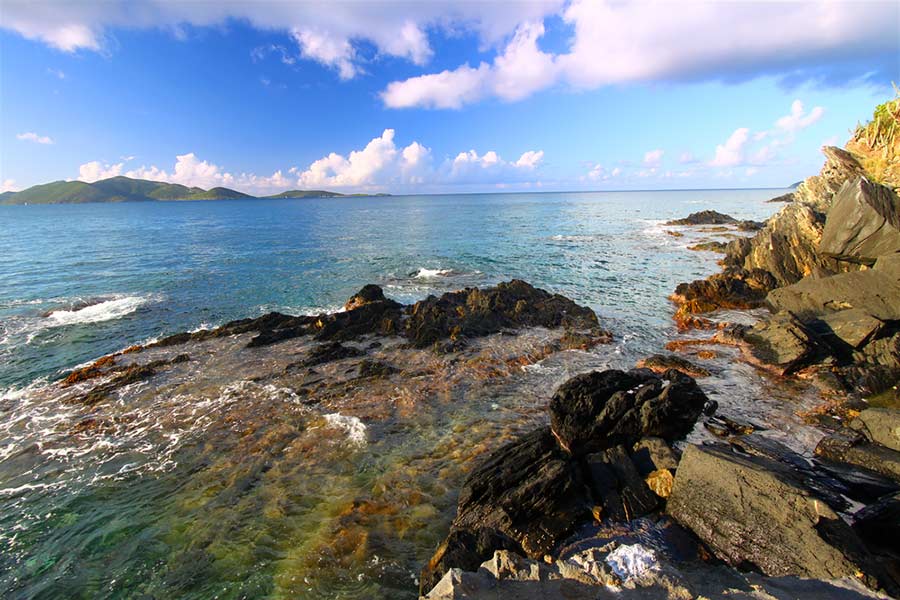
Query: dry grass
x=877 y=143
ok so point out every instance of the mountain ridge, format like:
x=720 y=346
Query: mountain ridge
x=127 y=189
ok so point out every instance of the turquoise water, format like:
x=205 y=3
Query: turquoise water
x=161 y=268
x=230 y=476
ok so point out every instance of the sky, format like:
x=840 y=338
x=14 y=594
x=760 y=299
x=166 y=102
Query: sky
x=437 y=96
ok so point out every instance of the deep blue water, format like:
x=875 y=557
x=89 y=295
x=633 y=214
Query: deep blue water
x=152 y=269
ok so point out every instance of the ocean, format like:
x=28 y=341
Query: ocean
x=217 y=480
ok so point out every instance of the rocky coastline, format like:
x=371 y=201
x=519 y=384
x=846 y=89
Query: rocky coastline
x=826 y=269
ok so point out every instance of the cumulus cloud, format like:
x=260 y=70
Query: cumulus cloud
x=31 y=136
x=327 y=49
x=653 y=158
x=381 y=164
x=624 y=42
x=799 y=119
x=8 y=185
x=731 y=153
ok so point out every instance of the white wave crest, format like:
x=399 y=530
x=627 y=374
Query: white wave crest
x=423 y=273
x=356 y=429
x=114 y=308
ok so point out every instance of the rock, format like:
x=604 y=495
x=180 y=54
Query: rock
x=612 y=474
x=126 y=376
x=879 y=425
x=879 y=524
x=661 y=482
x=711 y=246
x=328 y=352
x=465 y=550
x=817 y=191
x=789 y=197
x=652 y=454
x=852 y=447
x=704 y=217
x=600 y=410
x=863 y=223
x=476 y=312
x=376 y=369
x=854 y=326
x=754 y=512
x=529 y=490
x=787 y=247
x=784 y=342
x=875 y=291
x=750 y=225
x=660 y=363
x=369 y=293
x=734 y=288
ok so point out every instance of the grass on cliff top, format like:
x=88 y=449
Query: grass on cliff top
x=877 y=143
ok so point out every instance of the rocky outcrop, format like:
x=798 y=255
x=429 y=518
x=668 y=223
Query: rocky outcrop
x=863 y=223
x=735 y=288
x=818 y=191
x=531 y=493
x=704 y=217
x=755 y=512
x=784 y=342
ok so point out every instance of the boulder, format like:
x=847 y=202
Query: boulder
x=863 y=223
x=652 y=454
x=733 y=288
x=463 y=549
x=754 y=512
x=704 y=217
x=852 y=447
x=369 y=293
x=617 y=483
x=878 y=524
x=879 y=425
x=600 y=410
x=784 y=342
x=817 y=191
x=877 y=292
x=854 y=327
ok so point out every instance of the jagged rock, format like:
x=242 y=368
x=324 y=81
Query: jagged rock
x=876 y=291
x=369 y=293
x=126 y=376
x=852 y=447
x=754 y=512
x=463 y=549
x=529 y=490
x=786 y=198
x=652 y=454
x=614 y=477
x=711 y=246
x=817 y=191
x=879 y=524
x=599 y=410
x=879 y=425
x=328 y=352
x=704 y=217
x=733 y=288
x=863 y=223
x=376 y=369
x=660 y=363
x=787 y=247
x=854 y=326
x=784 y=342
x=475 y=312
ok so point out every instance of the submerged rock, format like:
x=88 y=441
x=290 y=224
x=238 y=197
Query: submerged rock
x=660 y=363
x=754 y=512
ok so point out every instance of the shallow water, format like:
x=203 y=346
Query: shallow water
x=225 y=477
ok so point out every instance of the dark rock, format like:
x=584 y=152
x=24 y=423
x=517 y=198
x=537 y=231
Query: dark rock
x=599 y=410
x=127 y=376
x=784 y=342
x=750 y=225
x=465 y=550
x=754 y=512
x=369 y=293
x=789 y=197
x=848 y=446
x=529 y=490
x=652 y=454
x=477 y=312
x=637 y=499
x=875 y=291
x=854 y=482
x=879 y=425
x=723 y=426
x=660 y=363
x=376 y=369
x=853 y=327
x=711 y=246
x=879 y=524
x=329 y=352
x=704 y=217
x=863 y=223
x=733 y=288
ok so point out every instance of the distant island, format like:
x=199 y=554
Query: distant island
x=126 y=189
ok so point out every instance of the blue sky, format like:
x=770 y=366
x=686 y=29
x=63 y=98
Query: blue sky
x=437 y=96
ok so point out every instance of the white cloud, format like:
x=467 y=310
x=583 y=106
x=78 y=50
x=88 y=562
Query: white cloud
x=731 y=153
x=447 y=89
x=328 y=49
x=30 y=136
x=530 y=159
x=799 y=119
x=653 y=157
x=8 y=185
x=95 y=171
x=624 y=42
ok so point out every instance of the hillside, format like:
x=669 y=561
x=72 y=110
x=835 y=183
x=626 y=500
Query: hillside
x=126 y=189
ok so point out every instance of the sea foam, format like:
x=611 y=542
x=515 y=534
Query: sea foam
x=114 y=308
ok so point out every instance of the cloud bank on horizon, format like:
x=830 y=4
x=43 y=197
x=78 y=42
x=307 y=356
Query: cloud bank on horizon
x=537 y=47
